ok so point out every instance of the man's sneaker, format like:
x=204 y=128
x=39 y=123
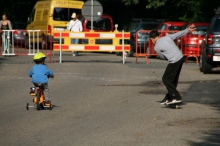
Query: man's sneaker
x=174 y=101
x=164 y=101
x=74 y=54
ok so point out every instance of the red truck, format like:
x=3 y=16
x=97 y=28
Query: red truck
x=104 y=23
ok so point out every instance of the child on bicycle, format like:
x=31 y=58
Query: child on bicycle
x=40 y=73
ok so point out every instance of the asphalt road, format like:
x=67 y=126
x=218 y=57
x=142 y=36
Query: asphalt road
x=100 y=102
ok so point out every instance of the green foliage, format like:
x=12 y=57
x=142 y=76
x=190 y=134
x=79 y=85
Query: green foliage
x=156 y=3
x=17 y=10
x=185 y=10
x=128 y=2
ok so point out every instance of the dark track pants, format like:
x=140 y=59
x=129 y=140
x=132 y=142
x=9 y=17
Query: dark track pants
x=170 y=79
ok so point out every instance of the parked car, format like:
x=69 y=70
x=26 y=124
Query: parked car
x=191 y=42
x=141 y=24
x=103 y=24
x=19 y=33
x=210 y=47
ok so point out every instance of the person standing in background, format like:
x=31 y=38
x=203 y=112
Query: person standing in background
x=75 y=25
x=5 y=25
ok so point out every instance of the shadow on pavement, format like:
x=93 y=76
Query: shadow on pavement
x=207 y=93
x=200 y=92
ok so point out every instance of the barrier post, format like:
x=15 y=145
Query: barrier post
x=12 y=43
x=60 y=46
x=29 y=42
x=38 y=40
x=123 y=48
x=7 y=45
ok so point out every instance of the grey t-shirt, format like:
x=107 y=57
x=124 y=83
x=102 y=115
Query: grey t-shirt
x=167 y=49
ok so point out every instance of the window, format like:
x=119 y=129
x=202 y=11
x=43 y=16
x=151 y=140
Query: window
x=133 y=26
x=184 y=26
x=64 y=14
x=217 y=25
x=19 y=25
x=100 y=24
x=31 y=18
x=148 y=26
x=201 y=30
x=162 y=27
x=174 y=27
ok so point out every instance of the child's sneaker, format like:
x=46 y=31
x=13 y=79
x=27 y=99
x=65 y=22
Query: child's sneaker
x=32 y=90
x=47 y=102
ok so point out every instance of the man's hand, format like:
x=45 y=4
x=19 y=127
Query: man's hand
x=192 y=28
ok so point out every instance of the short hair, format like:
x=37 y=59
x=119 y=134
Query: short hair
x=154 y=33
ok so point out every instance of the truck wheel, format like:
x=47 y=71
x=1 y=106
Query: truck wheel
x=26 y=42
x=44 y=44
x=207 y=68
x=200 y=63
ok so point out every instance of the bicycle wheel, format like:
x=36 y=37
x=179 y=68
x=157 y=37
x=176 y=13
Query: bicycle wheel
x=27 y=106
x=51 y=106
x=38 y=99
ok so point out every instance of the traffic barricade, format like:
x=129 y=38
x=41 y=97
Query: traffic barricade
x=116 y=45
x=143 y=45
x=190 y=45
x=24 y=42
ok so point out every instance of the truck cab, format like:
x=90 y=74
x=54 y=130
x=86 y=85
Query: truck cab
x=48 y=16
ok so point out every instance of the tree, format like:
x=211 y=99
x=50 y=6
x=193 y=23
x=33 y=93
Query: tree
x=186 y=10
x=183 y=10
x=17 y=10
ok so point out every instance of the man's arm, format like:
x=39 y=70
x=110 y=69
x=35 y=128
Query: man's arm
x=179 y=34
x=1 y=26
x=49 y=72
x=31 y=72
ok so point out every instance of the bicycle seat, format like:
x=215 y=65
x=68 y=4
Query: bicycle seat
x=40 y=85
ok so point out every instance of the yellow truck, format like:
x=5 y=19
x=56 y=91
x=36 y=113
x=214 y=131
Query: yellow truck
x=48 y=16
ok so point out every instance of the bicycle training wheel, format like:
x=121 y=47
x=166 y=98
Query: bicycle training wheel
x=38 y=100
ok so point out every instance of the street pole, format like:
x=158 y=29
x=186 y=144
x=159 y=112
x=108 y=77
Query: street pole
x=60 y=46
x=92 y=14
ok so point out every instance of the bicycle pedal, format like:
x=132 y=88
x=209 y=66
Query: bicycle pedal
x=47 y=104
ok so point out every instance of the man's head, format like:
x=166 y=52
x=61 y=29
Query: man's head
x=154 y=35
x=74 y=16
